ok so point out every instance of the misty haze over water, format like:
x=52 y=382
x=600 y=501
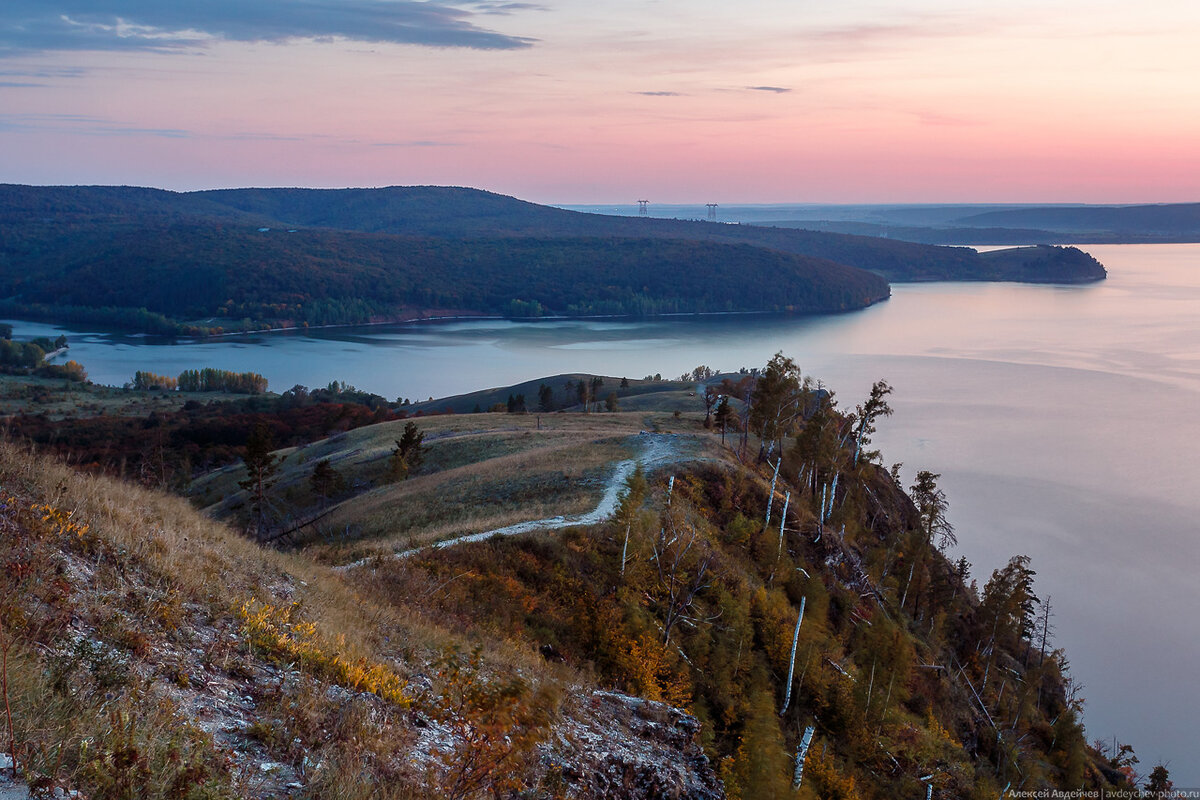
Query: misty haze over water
x=1063 y=420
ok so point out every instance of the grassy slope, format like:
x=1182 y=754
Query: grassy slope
x=653 y=394
x=481 y=471
x=154 y=653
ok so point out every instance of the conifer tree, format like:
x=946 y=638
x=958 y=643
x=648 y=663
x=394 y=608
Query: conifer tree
x=408 y=455
x=866 y=414
x=776 y=402
x=325 y=481
x=261 y=468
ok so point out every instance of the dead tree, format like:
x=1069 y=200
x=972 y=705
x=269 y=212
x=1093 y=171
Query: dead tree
x=801 y=755
x=771 y=495
x=787 y=698
x=682 y=563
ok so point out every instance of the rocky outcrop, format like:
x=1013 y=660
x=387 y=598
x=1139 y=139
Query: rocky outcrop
x=615 y=746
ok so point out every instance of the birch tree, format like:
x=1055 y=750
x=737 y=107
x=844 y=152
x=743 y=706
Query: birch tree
x=787 y=698
x=802 y=756
x=630 y=503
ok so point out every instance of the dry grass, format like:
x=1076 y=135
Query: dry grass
x=481 y=471
x=564 y=478
x=151 y=596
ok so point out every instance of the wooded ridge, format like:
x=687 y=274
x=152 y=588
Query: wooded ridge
x=230 y=259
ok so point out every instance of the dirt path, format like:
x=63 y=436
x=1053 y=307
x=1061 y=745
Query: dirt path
x=655 y=449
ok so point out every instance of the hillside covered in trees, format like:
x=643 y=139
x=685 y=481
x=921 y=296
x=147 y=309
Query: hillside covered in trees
x=328 y=277
x=764 y=612
x=230 y=259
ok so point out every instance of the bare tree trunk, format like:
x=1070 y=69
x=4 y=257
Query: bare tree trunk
x=801 y=755
x=886 y=700
x=625 y=548
x=870 y=686
x=907 y=583
x=787 y=498
x=787 y=699
x=771 y=495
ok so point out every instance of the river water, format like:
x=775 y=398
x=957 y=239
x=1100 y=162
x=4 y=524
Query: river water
x=1064 y=420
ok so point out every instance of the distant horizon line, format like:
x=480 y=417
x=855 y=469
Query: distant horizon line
x=575 y=204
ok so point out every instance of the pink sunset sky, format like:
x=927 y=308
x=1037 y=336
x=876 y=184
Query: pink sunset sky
x=589 y=102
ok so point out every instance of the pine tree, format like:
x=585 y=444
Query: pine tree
x=408 y=455
x=1160 y=783
x=261 y=468
x=866 y=414
x=325 y=481
x=723 y=415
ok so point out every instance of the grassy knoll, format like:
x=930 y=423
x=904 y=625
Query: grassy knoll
x=480 y=471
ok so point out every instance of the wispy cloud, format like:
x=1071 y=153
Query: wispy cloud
x=84 y=125
x=19 y=85
x=773 y=89
x=88 y=125
x=252 y=136
x=33 y=26
x=44 y=72
x=417 y=143
x=660 y=94
x=505 y=8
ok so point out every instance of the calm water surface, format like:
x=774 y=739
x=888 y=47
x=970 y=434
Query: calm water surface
x=1065 y=421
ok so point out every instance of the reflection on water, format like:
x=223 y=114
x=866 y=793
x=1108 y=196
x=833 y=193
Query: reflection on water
x=1062 y=418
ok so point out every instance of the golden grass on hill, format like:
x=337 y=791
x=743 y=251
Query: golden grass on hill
x=137 y=603
x=480 y=472
x=543 y=482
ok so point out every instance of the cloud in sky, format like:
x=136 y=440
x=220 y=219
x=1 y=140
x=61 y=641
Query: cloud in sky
x=659 y=94
x=33 y=26
x=773 y=89
x=84 y=124
x=416 y=143
x=506 y=8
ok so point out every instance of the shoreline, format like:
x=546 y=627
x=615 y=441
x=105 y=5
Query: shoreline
x=466 y=316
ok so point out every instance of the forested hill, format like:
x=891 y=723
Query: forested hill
x=456 y=212
x=165 y=261
x=222 y=276
x=453 y=211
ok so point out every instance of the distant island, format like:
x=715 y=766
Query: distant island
x=239 y=259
